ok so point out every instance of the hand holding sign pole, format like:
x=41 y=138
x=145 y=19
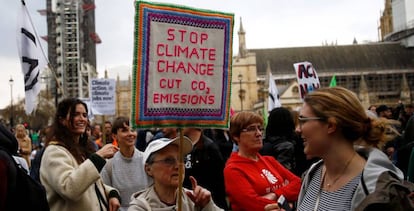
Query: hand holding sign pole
x=182 y=68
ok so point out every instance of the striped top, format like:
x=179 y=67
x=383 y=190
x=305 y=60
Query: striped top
x=336 y=200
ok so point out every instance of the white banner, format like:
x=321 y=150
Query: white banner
x=32 y=59
x=274 y=98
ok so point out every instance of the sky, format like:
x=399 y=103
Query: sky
x=267 y=23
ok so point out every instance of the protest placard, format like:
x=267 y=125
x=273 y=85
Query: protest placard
x=307 y=78
x=102 y=93
x=182 y=66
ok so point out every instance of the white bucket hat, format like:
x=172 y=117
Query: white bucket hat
x=159 y=144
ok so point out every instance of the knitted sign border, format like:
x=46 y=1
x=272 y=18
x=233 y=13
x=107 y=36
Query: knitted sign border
x=186 y=113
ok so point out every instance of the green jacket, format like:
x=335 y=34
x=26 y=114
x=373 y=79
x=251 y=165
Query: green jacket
x=391 y=193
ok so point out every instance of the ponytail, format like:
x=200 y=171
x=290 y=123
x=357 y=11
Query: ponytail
x=378 y=131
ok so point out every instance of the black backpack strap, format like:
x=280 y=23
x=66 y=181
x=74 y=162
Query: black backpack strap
x=364 y=186
x=102 y=199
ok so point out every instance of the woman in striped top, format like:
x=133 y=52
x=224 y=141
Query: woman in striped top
x=332 y=124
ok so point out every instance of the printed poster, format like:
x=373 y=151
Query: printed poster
x=102 y=96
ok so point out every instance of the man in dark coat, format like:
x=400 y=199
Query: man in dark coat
x=205 y=163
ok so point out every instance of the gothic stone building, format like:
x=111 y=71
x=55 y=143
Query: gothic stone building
x=379 y=73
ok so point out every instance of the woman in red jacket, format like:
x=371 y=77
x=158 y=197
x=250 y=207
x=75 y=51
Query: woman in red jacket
x=252 y=181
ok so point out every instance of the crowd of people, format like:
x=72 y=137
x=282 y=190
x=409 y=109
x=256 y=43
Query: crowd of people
x=328 y=155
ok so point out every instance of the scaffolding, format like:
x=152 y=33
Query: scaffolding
x=71 y=33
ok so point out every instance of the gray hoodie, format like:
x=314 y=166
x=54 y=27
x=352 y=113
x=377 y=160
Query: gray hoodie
x=147 y=200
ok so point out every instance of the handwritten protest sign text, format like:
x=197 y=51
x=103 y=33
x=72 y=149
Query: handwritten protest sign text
x=183 y=66
x=307 y=78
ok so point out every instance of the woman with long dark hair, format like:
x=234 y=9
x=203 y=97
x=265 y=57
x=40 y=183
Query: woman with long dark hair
x=70 y=167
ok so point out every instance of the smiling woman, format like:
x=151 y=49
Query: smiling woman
x=336 y=128
x=125 y=171
x=70 y=168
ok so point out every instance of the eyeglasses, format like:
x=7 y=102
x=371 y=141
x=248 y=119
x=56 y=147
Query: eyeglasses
x=303 y=120
x=252 y=129
x=167 y=161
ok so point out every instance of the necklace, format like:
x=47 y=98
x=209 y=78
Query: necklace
x=328 y=185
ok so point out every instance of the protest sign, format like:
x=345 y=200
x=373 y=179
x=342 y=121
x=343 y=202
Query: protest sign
x=307 y=78
x=182 y=66
x=102 y=96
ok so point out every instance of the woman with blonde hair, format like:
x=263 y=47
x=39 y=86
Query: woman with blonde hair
x=334 y=125
x=25 y=143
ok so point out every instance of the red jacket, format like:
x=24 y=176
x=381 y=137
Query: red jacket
x=246 y=181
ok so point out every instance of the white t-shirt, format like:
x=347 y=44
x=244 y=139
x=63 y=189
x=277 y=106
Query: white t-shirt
x=22 y=162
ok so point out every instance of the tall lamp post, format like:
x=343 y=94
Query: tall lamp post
x=240 y=77
x=11 y=101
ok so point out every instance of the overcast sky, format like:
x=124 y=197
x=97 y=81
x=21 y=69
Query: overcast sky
x=268 y=24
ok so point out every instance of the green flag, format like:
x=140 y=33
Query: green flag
x=264 y=113
x=333 y=81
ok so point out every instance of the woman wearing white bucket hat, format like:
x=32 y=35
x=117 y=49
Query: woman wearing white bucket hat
x=161 y=159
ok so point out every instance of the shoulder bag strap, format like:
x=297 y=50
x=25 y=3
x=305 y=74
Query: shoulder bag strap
x=100 y=198
x=364 y=186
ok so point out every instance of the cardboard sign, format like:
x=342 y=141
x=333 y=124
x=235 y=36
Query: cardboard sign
x=182 y=67
x=102 y=96
x=307 y=78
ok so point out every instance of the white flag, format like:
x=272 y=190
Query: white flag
x=274 y=101
x=32 y=59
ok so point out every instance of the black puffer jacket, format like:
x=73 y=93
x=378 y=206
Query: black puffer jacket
x=282 y=149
